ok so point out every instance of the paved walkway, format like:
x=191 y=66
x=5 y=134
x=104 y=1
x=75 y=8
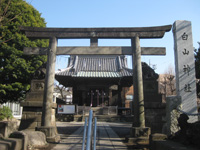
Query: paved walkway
x=106 y=137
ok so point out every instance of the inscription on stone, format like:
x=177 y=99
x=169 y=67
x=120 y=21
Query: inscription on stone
x=187 y=88
x=185 y=52
x=37 y=86
x=184 y=36
x=185 y=68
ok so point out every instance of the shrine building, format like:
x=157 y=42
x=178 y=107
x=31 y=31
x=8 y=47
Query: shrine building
x=100 y=80
x=97 y=80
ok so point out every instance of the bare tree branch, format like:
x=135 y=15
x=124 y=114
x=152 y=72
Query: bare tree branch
x=4 y=15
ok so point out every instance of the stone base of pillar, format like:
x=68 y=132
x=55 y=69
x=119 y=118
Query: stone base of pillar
x=139 y=136
x=154 y=138
x=50 y=132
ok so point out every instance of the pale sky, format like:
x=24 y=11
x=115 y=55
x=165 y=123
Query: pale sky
x=122 y=13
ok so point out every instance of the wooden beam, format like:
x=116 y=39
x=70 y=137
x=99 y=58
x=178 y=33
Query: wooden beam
x=63 y=33
x=96 y=51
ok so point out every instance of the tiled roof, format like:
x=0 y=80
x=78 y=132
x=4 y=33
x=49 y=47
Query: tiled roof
x=98 y=66
x=97 y=74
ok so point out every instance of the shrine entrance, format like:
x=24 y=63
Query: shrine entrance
x=96 y=97
x=135 y=34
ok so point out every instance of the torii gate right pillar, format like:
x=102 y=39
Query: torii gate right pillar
x=139 y=133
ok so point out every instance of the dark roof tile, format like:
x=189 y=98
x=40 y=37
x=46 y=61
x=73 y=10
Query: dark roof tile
x=96 y=66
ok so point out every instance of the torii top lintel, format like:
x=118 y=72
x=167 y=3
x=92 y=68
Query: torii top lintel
x=72 y=33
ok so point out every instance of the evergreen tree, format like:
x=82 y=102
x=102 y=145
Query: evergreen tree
x=16 y=69
x=197 y=68
x=197 y=62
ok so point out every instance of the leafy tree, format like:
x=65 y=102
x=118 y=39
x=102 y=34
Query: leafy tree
x=197 y=61
x=16 y=69
x=5 y=113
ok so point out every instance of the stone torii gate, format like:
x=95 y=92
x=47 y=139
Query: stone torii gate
x=135 y=34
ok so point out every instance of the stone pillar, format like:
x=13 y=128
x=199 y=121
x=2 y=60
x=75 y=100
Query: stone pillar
x=49 y=83
x=139 y=134
x=110 y=97
x=47 y=125
x=139 y=116
x=119 y=96
x=94 y=42
x=84 y=97
x=185 y=67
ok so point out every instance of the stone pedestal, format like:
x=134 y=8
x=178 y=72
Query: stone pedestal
x=139 y=136
x=156 y=138
x=50 y=132
x=32 y=107
x=155 y=116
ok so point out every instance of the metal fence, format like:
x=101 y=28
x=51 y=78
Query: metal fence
x=90 y=128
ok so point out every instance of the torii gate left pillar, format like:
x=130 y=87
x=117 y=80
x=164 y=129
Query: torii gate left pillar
x=48 y=126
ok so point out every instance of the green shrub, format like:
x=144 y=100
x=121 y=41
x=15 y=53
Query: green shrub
x=5 y=112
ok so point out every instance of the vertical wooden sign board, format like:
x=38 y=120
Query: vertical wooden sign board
x=185 y=67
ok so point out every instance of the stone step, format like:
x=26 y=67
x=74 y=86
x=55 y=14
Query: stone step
x=11 y=144
x=106 y=118
x=137 y=140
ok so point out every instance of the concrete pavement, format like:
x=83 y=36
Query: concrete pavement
x=106 y=137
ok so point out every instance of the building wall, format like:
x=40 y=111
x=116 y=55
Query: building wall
x=16 y=109
x=101 y=94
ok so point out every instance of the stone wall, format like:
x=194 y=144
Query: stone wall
x=154 y=108
x=154 y=116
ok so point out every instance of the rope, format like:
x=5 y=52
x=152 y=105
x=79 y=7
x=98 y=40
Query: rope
x=189 y=114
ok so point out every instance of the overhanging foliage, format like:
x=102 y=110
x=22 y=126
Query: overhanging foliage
x=16 y=69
